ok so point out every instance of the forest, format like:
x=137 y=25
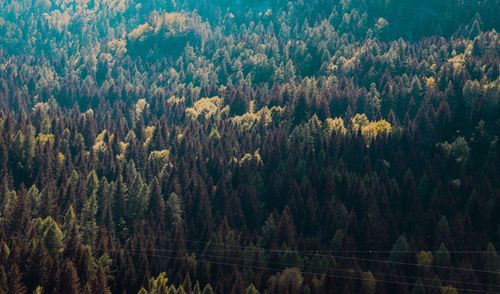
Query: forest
x=209 y=146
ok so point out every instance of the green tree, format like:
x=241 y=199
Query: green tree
x=475 y=28
x=442 y=233
x=20 y=218
x=138 y=199
x=493 y=264
x=239 y=105
x=399 y=249
x=71 y=231
x=156 y=209
x=252 y=290
x=98 y=282
x=88 y=220
x=471 y=91
x=35 y=199
x=442 y=256
x=207 y=289
x=52 y=235
x=174 y=210
x=373 y=103
x=48 y=206
x=268 y=231
x=197 y=288
x=301 y=109
x=8 y=202
x=70 y=220
x=92 y=183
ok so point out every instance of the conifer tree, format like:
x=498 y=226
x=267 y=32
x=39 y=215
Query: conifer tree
x=53 y=236
x=69 y=282
x=88 y=220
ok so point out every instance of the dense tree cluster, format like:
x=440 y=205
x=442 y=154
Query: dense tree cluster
x=249 y=146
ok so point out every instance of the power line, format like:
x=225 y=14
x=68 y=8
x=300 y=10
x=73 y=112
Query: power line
x=250 y=248
x=242 y=248
x=313 y=267
x=239 y=260
x=325 y=274
x=326 y=251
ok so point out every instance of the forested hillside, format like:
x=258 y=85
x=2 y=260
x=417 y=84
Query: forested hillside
x=209 y=146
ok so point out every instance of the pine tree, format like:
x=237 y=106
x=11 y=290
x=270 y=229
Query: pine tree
x=48 y=205
x=92 y=183
x=15 y=280
x=156 y=211
x=442 y=256
x=53 y=236
x=88 y=220
x=9 y=199
x=69 y=282
x=20 y=218
x=35 y=199
x=4 y=287
x=138 y=199
x=286 y=230
x=197 y=288
x=301 y=109
x=399 y=249
x=475 y=29
x=373 y=103
x=252 y=290
x=207 y=289
x=492 y=264
x=98 y=283
x=239 y=105
x=442 y=233
x=72 y=232
x=174 y=211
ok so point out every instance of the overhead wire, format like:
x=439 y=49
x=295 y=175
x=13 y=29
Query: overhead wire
x=319 y=274
x=242 y=249
x=309 y=266
x=298 y=252
x=291 y=251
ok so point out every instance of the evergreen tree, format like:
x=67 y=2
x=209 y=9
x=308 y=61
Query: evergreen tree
x=138 y=199
x=251 y=290
x=399 y=249
x=88 y=220
x=207 y=289
x=68 y=282
x=156 y=210
x=53 y=236
x=174 y=210
x=373 y=103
